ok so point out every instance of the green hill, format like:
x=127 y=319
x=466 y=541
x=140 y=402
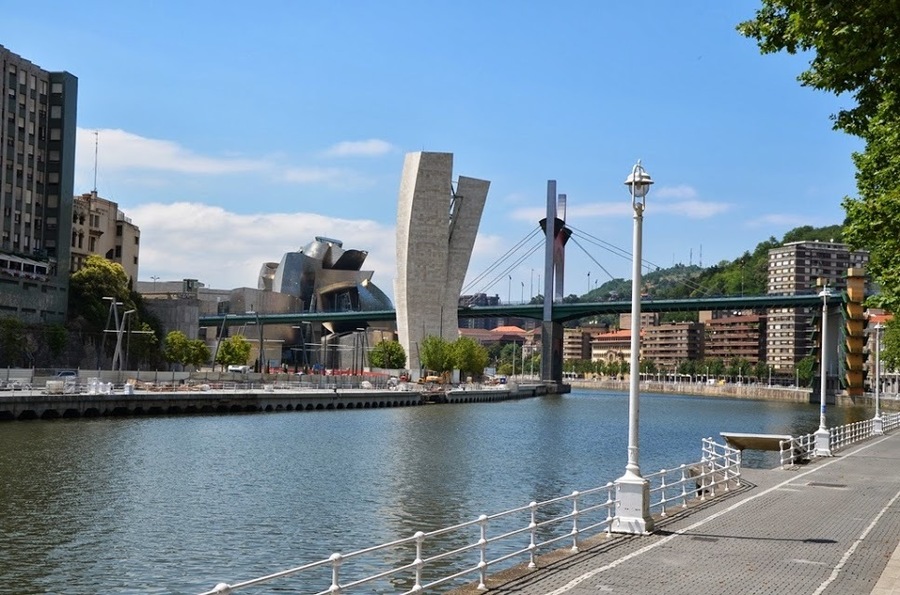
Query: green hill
x=745 y=275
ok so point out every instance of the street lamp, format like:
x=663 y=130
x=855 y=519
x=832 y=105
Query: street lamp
x=823 y=436
x=632 y=490
x=878 y=422
x=155 y=279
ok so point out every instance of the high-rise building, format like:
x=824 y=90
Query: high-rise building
x=37 y=168
x=99 y=227
x=802 y=267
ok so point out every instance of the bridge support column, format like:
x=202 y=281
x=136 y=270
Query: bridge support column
x=551 y=352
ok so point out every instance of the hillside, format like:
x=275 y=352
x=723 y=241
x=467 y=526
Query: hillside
x=744 y=275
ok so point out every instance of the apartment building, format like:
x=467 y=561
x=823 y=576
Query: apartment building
x=797 y=267
x=99 y=227
x=731 y=337
x=670 y=344
x=576 y=344
x=37 y=167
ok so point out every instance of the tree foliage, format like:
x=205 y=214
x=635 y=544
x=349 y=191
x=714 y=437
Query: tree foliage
x=388 y=354
x=234 y=351
x=12 y=342
x=469 y=356
x=98 y=279
x=436 y=354
x=856 y=52
x=187 y=352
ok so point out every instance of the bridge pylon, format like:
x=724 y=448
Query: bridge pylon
x=556 y=234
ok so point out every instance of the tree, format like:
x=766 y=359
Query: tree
x=388 y=354
x=98 y=279
x=890 y=346
x=175 y=347
x=856 y=51
x=806 y=370
x=234 y=351
x=187 y=352
x=12 y=341
x=436 y=354
x=469 y=356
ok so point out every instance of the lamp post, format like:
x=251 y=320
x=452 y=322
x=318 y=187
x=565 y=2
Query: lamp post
x=155 y=279
x=878 y=422
x=822 y=435
x=509 y=291
x=632 y=490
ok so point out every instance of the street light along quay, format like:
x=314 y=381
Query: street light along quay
x=632 y=490
x=878 y=422
x=823 y=435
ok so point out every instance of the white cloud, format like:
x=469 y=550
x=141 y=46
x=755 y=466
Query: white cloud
x=125 y=160
x=372 y=147
x=783 y=220
x=123 y=150
x=692 y=209
x=225 y=250
x=681 y=192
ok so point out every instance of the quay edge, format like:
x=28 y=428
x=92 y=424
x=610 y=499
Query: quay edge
x=36 y=404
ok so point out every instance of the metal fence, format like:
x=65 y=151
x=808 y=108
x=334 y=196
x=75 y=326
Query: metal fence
x=800 y=449
x=468 y=552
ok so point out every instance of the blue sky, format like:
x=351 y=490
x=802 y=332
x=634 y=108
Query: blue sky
x=234 y=132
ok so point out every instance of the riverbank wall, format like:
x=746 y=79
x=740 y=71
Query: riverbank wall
x=33 y=404
x=760 y=392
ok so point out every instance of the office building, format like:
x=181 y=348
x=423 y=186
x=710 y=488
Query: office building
x=37 y=168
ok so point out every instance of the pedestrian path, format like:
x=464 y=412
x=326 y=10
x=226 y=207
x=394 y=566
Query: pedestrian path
x=829 y=527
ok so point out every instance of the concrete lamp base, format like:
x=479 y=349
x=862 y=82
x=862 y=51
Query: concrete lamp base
x=632 y=506
x=878 y=426
x=823 y=443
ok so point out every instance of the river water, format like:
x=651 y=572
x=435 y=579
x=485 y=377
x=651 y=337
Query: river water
x=178 y=504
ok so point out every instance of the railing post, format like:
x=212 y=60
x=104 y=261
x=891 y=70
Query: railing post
x=532 y=527
x=420 y=538
x=335 y=572
x=482 y=543
x=575 y=521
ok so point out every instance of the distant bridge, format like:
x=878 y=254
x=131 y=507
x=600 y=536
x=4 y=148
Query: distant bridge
x=562 y=312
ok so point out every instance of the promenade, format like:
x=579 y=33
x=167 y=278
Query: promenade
x=829 y=527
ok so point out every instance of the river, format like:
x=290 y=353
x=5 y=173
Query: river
x=177 y=504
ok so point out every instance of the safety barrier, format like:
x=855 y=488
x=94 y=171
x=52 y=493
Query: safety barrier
x=469 y=551
x=800 y=449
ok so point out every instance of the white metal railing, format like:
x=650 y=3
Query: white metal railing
x=718 y=469
x=490 y=543
x=802 y=448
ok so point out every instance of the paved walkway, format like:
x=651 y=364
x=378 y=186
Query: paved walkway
x=830 y=527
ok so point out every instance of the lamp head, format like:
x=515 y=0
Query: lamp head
x=638 y=183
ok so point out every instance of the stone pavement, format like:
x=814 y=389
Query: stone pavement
x=825 y=528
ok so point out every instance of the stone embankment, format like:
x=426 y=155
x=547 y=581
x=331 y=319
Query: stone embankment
x=105 y=399
x=889 y=402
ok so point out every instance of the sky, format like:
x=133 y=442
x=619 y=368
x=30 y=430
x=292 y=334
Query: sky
x=231 y=133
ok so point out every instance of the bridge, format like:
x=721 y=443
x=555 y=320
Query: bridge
x=562 y=312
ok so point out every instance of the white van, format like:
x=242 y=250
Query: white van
x=239 y=369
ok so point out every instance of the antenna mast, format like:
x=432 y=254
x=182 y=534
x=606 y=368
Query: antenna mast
x=96 y=145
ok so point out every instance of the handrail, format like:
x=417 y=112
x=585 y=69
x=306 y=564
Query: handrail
x=490 y=543
x=799 y=449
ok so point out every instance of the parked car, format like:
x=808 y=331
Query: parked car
x=239 y=369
